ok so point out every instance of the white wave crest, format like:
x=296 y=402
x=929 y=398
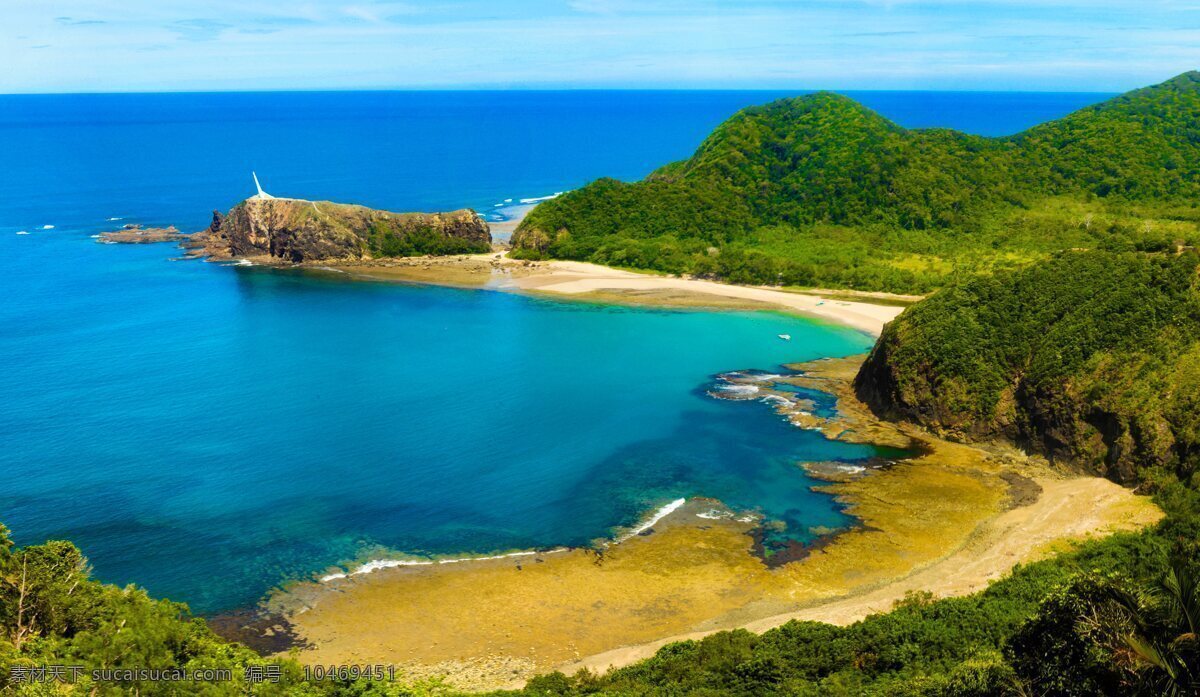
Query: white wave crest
x=537 y=199
x=377 y=564
x=738 y=389
x=652 y=520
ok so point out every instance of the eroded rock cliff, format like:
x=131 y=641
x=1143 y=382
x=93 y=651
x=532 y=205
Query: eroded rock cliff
x=295 y=231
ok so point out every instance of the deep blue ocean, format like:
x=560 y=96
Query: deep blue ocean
x=209 y=432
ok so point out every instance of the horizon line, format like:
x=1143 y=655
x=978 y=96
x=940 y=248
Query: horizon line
x=344 y=90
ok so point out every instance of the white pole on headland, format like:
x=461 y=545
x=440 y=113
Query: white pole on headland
x=261 y=193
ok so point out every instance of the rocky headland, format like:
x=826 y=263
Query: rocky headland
x=285 y=230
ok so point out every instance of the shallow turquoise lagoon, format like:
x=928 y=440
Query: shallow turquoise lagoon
x=209 y=431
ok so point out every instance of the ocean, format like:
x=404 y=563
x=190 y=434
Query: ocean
x=209 y=432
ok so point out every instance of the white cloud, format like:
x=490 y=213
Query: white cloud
x=231 y=44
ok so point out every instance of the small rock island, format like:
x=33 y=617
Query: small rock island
x=136 y=234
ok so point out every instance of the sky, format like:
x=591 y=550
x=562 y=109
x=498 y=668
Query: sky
x=189 y=45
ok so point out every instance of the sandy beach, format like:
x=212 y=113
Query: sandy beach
x=867 y=312
x=592 y=282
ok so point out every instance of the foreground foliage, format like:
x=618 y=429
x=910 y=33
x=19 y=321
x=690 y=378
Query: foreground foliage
x=820 y=191
x=53 y=614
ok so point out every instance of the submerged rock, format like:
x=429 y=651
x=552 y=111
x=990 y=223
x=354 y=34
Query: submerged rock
x=296 y=231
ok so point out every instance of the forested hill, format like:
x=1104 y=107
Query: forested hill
x=1092 y=358
x=819 y=190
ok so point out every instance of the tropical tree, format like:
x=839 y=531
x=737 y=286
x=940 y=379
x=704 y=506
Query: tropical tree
x=1164 y=650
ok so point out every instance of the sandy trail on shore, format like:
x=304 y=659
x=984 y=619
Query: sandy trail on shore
x=584 y=281
x=1068 y=509
x=578 y=278
x=865 y=311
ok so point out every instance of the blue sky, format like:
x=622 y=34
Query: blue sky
x=165 y=45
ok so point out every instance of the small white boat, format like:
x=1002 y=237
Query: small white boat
x=22 y=232
x=785 y=337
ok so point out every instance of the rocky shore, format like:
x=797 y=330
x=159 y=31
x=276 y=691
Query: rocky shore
x=947 y=520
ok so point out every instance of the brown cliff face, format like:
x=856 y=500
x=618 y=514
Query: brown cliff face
x=1061 y=421
x=295 y=231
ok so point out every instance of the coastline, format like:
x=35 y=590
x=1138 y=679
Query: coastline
x=592 y=282
x=947 y=520
x=866 y=312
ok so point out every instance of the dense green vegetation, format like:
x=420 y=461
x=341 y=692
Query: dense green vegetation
x=1092 y=358
x=53 y=614
x=386 y=238
x=820 y=191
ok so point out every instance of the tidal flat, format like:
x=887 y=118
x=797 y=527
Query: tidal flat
x=947 y=520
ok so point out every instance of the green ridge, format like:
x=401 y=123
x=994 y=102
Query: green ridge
x=820 y=191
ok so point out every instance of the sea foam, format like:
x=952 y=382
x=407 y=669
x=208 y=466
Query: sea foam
x=658 y=515
x=537 y=199
x=377 y=564
x=739 y=389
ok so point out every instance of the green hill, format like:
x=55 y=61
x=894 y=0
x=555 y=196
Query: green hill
x=1092 y=358
x=819 y=190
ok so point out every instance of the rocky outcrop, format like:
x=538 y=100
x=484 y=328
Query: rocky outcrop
x=297 y=231
x=136 y=234
x=1064 y=421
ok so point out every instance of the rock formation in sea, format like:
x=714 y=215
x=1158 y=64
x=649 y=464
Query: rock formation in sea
x=295 y=231
x=136 y=234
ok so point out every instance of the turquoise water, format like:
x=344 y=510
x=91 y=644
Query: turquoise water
x=209 y=432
